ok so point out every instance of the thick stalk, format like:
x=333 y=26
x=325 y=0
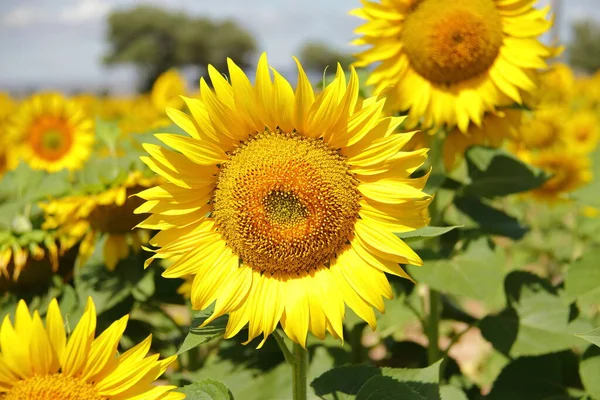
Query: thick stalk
x=300 y=370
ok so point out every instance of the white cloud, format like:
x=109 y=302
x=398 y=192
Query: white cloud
x=23 y=16
x=84 y=11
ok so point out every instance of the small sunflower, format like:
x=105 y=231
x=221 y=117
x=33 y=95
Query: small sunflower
x=570 y=171
x=540 y=130
x=167 y=90
x=85 y=217
x=39 y=363
x=582 y=132
x=50 y=133
x=449 y=62
x=283 y=203
x=556 y=86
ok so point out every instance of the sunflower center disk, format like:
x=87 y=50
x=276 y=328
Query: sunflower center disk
x=52 y=387
x=451 y=41
x=285 y=203
x=50 y=138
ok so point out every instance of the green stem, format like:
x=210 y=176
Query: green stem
x=433 y=327
x=300 y=368
x=287 y=354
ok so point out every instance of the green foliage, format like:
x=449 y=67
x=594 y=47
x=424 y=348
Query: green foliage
x=206 y=389
x=199 y=334
x=364 y=382
x=317 y=57
x=155 y=40
x=584 y=49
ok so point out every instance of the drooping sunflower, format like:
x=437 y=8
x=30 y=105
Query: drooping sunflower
x=86 y=217
x=50 y=133
x=283 y=203
x=494 y=130
x=39 y=363
x=448 y=62
x=570 y=171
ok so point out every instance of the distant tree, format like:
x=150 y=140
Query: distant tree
x=155 y=40
x=316 y=57
x=584 y=49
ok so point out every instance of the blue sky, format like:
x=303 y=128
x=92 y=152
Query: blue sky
x=59 y=43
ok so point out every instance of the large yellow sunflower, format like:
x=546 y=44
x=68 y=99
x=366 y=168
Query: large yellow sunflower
x=50 y=133
x=283 y=203
x=451 y=61
x=85 y=217
x=38 y=362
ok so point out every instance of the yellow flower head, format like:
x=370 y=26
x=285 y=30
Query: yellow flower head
x=570 y=171
x=167 y=90
x=541 y=130
x=50 y=133
x=85 y=217
x=449 y=62
x=26 y=266
x=283 y=203
x=582 y=131
x=556 y=86
x=39 y=363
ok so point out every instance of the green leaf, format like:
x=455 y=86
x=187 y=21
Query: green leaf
x=582 y=283
x=449 y=392
x=495 y=172
x=206 y=389
x=365 y=382
x=488 y=219
x=589 y=370
x=535 y=323
x=427 y=232
x=589 y=194
x=531 y=378
x=200 y=335
x=474 y=274
x=592 y=336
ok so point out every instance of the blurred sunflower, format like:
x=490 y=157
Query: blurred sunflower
x=540 y=130
x=283 y=204
x=27 y=260
x=570 y=171
x=494 y=130
x=582 y=132
x=449 y=62
x=556 y=86
x=7 y=106
x=167 y=90
x=39 y=363
x=85 y=217
x=50 y=133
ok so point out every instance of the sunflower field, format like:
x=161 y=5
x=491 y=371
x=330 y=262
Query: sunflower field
x=423 y=225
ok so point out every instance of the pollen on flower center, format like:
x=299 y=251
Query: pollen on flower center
x=285 y=203
x=284 y=208
x=52 y=387
x=448 y=42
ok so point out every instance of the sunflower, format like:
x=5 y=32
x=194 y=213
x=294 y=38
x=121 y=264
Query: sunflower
x=451 y=61
x=556 y=86
x=27 y=260
x=541 y=130
x=85 y=217
x=283 y=204
x=50 y=133
x=582 y=132
x=570 y=171
x=494 y=130
x=7 y=105
x=167 y=90
x=38 y=362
